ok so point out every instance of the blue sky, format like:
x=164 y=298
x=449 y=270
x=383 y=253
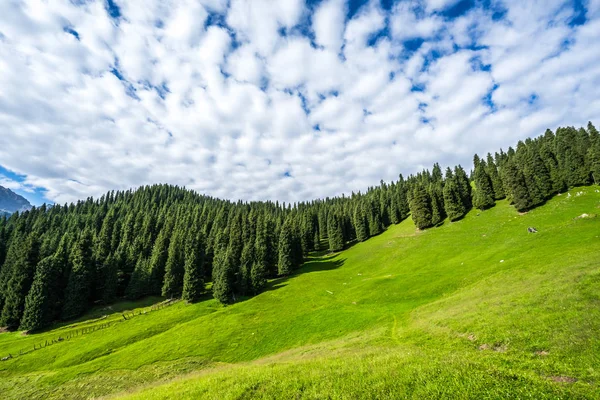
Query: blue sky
x=290 y=100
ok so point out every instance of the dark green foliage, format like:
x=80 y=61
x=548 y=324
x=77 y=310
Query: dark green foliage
x=193 y=278
x=373 y=218
x=286 y=256
x=514 y=181
x=243 y=282
x=494 y=175
x=360 y=223
x=77 y=293
x=570 y=153
x=173 y=281
x=438 y=213
x=158 y=261
x=40 y=301
x=111 y=271
x=464 y=186
x=484 y=192
x=260 y=265
x=420 y=207
x=223 y=274
x=21 y=272
x=334 y=232
x=452 y=198
x=139 y=239
x=138 y=284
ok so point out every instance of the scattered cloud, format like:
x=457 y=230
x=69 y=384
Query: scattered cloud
x=251 y=99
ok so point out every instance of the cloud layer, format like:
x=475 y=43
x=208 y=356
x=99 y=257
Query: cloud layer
x=255 y=99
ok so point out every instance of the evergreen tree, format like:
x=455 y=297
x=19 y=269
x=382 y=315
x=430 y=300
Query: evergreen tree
x=21 y=278
x=464 y=186
x=360 y=223
x=158 y=260
x=373 y=217
x=243 y=282
x=438 y=213
x=259 y=270
x=515 y=182
x=484 y=192
x=492 y=172
x=402 y=199
x=286 y=258
x=38 y=304
x=111 y=279
x=223 y=274
x=174 y=271
x=334 y=233
x=193 y=278
x=420 y=207
x=77 y=293
x=452 y=198
x=594 y=153
x=317 y=242
x=138 y=284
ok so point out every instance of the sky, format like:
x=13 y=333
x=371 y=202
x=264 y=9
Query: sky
x=280 y=100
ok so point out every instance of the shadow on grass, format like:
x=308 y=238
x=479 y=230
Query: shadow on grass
x=312 y=265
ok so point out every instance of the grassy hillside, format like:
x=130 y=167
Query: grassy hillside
x=477 y=308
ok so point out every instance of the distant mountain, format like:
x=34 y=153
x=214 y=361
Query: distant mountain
x=11 y=202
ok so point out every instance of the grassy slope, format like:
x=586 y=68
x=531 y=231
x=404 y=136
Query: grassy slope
x=404 y=314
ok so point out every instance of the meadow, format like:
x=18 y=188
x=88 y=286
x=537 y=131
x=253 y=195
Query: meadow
x=477 y=308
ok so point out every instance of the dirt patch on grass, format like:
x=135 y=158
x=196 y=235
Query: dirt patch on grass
x=500 y=347
x=542 y=353
x=484 y=347
x=563 y=379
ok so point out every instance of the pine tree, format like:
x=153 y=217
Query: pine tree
x=334 y=233
x=593 y=154
x=360 y=223
x=138 y=284
x=464 y=186
x=515 y=182
x=173 y=280
x=420 y=207
x=21 y=278
x=438 y=213
x=452 y=198
x=373 y=217
x=111 y=279
x=39 y=302
x=259 y=270
x=223 y=271
x=317 y=242
x=158 y=260
x=77 y=293
x=193 y=278
x=492 y=171
x=402 y=199
x=484 y=192
x=243 y=282
x=286 y=258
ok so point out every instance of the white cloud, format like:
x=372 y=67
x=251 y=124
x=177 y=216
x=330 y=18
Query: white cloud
x=328 y=24
x=405 y=24
x=230 y=108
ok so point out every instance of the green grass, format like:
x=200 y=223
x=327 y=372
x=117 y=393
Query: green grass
x=473 y=309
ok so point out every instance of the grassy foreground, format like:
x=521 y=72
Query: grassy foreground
x=474 y=309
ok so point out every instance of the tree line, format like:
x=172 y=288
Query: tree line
x=58 y=261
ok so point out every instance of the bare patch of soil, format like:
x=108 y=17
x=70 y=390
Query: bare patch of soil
x=563 y=379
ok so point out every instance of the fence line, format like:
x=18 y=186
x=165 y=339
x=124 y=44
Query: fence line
x=90 y=329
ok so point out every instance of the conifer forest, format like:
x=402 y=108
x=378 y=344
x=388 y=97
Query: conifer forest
x=58 y=261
